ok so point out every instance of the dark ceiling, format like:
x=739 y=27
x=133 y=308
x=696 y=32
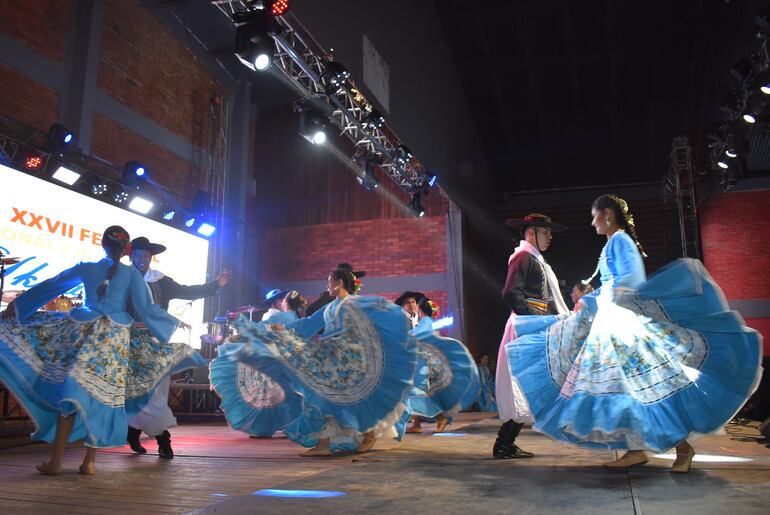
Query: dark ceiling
x=569 y=94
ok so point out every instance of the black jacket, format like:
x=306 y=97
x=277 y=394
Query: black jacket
x=166 y=289
x=526 y=280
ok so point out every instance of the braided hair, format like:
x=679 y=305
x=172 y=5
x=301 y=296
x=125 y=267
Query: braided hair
x=295 y=301
x=116 y=243
x=622 y=214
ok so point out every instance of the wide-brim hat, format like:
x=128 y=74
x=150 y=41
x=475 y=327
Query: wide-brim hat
x=272 y=296
x=142 y=243
x=416 y=295
x=535 y=220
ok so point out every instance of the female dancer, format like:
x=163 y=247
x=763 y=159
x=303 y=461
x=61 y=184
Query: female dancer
x=446 y=380
x=645 y=364
x=340 y=390
x=74 y=373
x=252 y=402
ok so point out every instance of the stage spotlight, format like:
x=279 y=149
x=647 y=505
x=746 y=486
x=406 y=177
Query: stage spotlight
x=189 y=221
x=98 y=186
x=336 y=74
x=721 y=164
x=32 y=161
x=206 y=229
x=368 y=181
x=65 y=175
x=431 y=180
x=312 y=126
x=169 y=215
x=730 y=152
x=254 y=46
x=276 y=7
x=140 y=205
x=415 y=206
x=117 y=194
x=59 y=139
x=403 y=155
x=375 y=119
x=134 y=174
x=749 y=118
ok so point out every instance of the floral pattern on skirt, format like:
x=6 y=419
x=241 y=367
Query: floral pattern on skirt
x=92 y=353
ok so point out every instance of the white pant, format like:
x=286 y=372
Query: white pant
x=511 y=402
x=156 y=417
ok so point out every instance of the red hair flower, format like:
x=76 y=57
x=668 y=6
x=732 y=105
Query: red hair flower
x=434 y=309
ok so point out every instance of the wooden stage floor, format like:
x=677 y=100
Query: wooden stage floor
x=218 y=470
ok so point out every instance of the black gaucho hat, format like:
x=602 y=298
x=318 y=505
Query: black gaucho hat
x=142 y=243
x=535 y=220
x=416 y=295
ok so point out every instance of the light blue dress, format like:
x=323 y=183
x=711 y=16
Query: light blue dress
x=82 y=362
x=446 y=380
x=352 y=379
x=642 y=367
x=252 y=402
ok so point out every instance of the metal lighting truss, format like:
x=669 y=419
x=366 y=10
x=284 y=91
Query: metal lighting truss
x=679 y=186
x=303 y=62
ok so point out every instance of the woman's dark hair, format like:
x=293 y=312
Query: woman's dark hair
x=478 y=358
x=584 y=288
x=295 y=301
x=347 y=278
x=115 y=239
x=622 y=214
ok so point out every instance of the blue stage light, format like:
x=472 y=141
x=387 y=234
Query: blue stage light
x=298 y=494
x=450 y=434
x=169 y=215
x=443 y=322
x=190 y=221
x=432 y=180
x=206 y=229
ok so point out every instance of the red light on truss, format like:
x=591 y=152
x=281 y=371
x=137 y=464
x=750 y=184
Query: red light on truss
x=279 y=7
x=33 y=162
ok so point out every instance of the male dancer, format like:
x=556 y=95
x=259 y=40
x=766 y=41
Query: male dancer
x=531 y=288
x=156 y=417
x=409 y=302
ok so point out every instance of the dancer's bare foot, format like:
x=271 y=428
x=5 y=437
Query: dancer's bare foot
x=87 y=469
x=48 y=469
x=316 y=451
x=629 y=459
x=684 y=456
x=368 y=442
x=441 y=422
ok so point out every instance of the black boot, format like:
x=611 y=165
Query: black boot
x=505 y=448
x=133 y=440
x=164 y=446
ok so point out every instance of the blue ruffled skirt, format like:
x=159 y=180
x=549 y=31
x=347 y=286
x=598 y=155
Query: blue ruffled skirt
x=645 y=371
x=447 y=379
x=339 y=385
x=56 y=366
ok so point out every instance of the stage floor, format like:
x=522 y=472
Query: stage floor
x=217 y=470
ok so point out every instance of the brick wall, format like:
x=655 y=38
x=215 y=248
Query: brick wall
x=382 y=247
x=143 y=66
x=734 y=231
x=118 y=145
x=27 y=101
x=40 y=25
